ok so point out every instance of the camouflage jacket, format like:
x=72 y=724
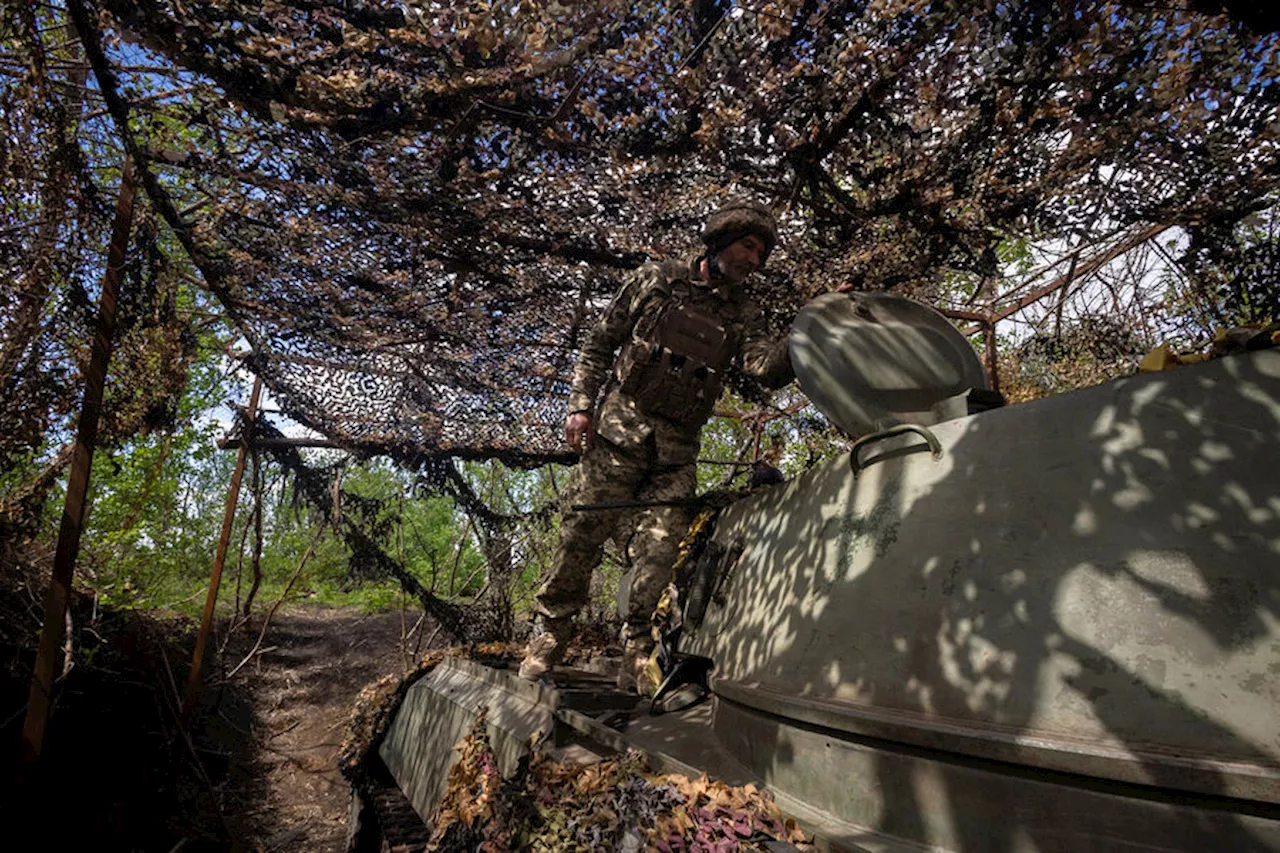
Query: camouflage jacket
x=619 y=419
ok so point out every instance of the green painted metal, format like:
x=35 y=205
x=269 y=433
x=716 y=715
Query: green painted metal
x=872 y=360
x=1060 y=633
x=442 y=707
x=1088 y=584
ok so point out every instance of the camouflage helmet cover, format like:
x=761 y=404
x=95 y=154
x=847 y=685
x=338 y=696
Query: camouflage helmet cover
x=735 y=220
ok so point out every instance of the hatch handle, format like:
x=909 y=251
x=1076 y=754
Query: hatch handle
x=935 y=446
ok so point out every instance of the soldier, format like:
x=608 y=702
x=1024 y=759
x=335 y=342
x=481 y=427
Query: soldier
x=660 y=353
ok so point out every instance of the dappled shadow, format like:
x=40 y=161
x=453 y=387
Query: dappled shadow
x=1086 y=585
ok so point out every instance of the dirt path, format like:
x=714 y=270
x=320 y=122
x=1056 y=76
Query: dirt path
x=283 y=721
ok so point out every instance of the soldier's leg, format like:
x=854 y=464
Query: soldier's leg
x=604 y=475
x=654 y=548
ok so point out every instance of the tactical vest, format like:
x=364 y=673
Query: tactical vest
x=674 y=364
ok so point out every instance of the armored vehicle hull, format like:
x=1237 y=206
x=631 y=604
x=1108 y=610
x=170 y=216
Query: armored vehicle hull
x=1052 y=626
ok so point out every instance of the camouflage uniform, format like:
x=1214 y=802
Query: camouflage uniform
x=641 y=456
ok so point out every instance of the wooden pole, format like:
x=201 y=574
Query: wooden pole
x=993 y=357
x=40 y=702
x=219 y=558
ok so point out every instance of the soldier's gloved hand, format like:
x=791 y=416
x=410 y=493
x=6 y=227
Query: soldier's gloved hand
x=579 y=432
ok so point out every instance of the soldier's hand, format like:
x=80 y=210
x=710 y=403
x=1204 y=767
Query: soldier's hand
x=579 y=431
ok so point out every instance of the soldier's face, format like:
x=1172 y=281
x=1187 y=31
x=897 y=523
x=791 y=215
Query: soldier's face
x=741 y=258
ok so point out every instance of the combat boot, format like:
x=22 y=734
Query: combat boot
x=639 y=672
x=546 y=647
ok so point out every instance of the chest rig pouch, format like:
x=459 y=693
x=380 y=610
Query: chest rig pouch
x=674 y=364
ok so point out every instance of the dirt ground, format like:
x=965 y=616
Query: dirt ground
x=280 y=723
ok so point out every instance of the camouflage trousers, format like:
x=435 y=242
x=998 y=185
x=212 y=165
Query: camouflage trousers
x=606 y=474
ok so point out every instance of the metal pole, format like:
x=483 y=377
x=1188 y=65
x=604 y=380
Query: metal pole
x=228 y=518
x=40 y=702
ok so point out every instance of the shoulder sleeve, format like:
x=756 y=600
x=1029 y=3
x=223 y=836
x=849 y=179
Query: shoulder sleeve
x=609 y=333
x=764 y=358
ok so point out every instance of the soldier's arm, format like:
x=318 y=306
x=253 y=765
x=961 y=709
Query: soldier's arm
x=764 y=358
x=609 y=333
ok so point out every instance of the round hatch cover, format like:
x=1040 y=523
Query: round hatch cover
x=870 y=360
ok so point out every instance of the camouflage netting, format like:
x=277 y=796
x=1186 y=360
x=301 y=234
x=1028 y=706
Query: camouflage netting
x=412 y=211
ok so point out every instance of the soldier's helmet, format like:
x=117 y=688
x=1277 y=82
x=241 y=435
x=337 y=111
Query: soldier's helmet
x=737 y=219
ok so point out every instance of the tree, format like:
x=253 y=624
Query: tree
x=1234 y=268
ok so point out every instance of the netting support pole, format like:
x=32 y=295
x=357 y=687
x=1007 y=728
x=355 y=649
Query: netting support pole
x=219 y=558
x=49 y=652
x=992 y=357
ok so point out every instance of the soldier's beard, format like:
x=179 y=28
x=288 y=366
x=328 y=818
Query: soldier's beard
x=732 y=273
x=737 y=273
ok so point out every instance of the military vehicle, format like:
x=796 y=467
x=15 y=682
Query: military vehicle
x=1046 y=626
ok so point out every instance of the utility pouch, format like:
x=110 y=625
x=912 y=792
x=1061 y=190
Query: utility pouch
x=633 y=364
x=676 y=370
